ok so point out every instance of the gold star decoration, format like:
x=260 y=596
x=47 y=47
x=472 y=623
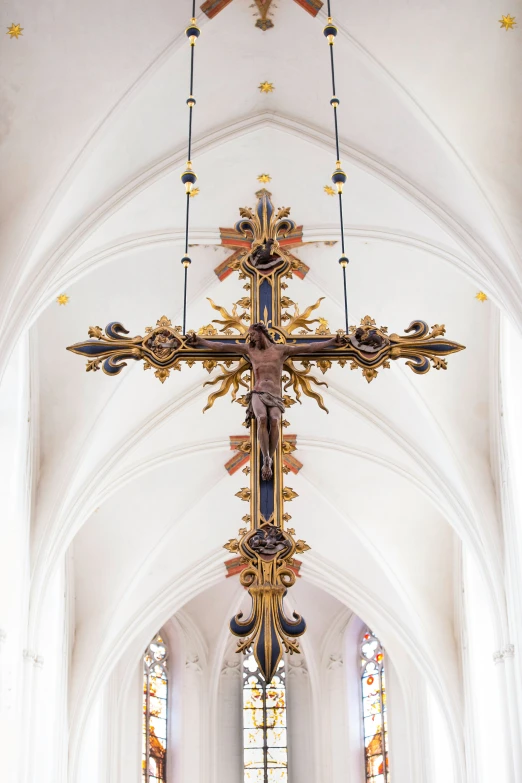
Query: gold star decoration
x=508 y=22
x=264 y=178
x=266 y=87
x=329 y=190
x=62 y=299
x=481 y=296
x=194 y=192
x=15 y=31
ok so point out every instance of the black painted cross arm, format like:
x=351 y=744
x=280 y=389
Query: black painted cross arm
x=163 y=348
x=368 y=347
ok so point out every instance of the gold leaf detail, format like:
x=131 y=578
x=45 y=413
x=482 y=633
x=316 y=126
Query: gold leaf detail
x=323 y=327
x=231 y=320
x=230 y=380
x=324 y=365
x=164 y=321
x=439 y=363
x=287 y=518
x=243 y=494
x=95 y=331
x=369 y=373
x=209 y=364
x=93 y=365
x=367 y=321
x=232 y=545
x=208 y=331
x=246 y=519
x=288 y=494
x=244 y=302
x=288 y=447
x=301 y=381
x=301 y=546
x=163 y=374
x=438 y=330
x=302 y=320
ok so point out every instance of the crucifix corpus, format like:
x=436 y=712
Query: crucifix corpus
x=265 y=402
x=268 y=349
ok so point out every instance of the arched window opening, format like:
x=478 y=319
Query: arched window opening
x=155 y=696
x=264 y=725
x=374 y=709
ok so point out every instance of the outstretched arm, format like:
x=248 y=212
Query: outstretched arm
x=195 y=341
x=335 y=342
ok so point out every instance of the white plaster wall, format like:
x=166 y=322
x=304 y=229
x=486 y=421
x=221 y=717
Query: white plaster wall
x=489 y=714
x=299 y=721
x=229 y=721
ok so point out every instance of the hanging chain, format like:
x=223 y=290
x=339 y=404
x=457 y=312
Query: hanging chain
x=338 y=177
x=189 y=177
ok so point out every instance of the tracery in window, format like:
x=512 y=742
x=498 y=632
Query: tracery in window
x=264 y=725
x=155 y=696
x=374 y=709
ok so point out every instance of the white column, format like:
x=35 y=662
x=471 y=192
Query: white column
x=301 y=765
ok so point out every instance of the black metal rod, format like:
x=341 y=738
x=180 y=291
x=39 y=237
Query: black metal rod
x=185 y=301
x=191 y=69
x=332 y=68
x=336 y=135
x=345 y=301
x=187 y=212
x=190 y=134
x=341 y=220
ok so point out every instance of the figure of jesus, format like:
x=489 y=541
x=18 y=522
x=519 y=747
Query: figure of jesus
x=265 y=401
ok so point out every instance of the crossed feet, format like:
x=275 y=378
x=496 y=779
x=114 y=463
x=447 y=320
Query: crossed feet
x=266 y=470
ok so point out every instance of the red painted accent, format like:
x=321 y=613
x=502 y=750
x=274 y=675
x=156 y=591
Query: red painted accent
x=312 y=6
x=212 y=7
x=240 y=459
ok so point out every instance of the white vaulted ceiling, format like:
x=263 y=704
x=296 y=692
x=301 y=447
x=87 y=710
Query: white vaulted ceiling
x=131 y=474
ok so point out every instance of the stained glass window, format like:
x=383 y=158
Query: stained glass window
x=374 y=709
x=264 y=725
x=155 y=696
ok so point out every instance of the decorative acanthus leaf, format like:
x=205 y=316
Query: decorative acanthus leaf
x=208 y=331
x=289 y=494
x=95 y=331
x=163 y=374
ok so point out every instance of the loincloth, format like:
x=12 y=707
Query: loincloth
x=269 y=401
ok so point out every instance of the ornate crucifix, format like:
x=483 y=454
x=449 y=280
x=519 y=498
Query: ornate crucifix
x=212 y=8
x=268 y=349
